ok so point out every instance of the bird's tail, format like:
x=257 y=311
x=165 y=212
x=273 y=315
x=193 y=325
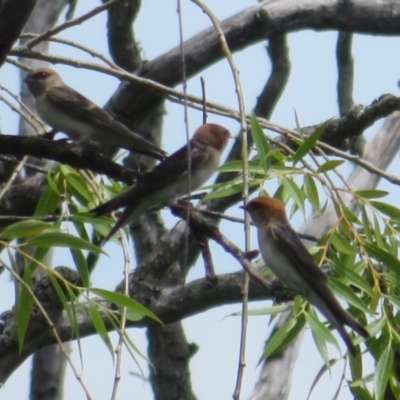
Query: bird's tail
x=347 y=340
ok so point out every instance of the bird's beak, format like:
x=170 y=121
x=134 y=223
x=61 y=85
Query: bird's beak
x=243 y=208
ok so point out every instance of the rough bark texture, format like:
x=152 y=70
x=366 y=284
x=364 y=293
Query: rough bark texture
x=157 y=282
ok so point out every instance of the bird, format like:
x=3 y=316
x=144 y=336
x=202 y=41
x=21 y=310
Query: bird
x=171 y=178
x=68 y=111
x=288 y=258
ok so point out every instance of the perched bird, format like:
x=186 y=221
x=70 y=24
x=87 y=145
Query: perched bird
x=288 y=258
x=67 y=111
x=170 y=179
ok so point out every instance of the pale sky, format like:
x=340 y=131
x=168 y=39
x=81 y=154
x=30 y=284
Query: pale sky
x=311 y=91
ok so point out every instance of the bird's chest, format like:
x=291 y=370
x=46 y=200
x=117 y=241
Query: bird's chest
x=63 y=122
x=276 y=257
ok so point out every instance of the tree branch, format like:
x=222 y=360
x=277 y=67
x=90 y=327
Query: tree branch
x=83 y=157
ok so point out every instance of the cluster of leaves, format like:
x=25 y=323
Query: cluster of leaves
x=361 y=250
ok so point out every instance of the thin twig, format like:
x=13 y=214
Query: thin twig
x=243 y=132
x=186 y=121
x=44 y=313
x=123 y=311
x=79 y=46
x=73 y=22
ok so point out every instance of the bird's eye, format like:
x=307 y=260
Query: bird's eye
x=41 y=75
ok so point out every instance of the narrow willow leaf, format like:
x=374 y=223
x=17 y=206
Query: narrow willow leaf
x=356 y=366
x=383 y=371
x=342 y=244
x=81 y=266
x=81 y=189
x=101 y=329
x=360 y=392
x=388 y=259
x=308 y=143
x=273 y=310
x=49 y=200
x=347 y=294
x=353 y=278
x=60 y=239
x=366 y=223
x=377 y=231
x=231 y=188
x=260 y=141
x=350 y=215
x=24 y=229
x=311 y=192
x=294 y=192
x=23 y=309
x=237 y=166
x=387 y=209
x=125 y=301
x=371 y=193
x=284 y=335
x=321 y=335
x=329 y=165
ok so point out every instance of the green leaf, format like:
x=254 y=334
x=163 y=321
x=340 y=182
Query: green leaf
x=371 y=193
x=101 y=329
x=23 y=309
x=353 y=278
x=329 y=165
x=24 y=229
x=273 y=310
x=51 y=196
x=81 y=189
x=261 y=142
x=309 y=143
x=360 y=392
x=356 y=367
x=387 y=209
x=60 y=239
x=321 y=335
x=237 y=166
x=81 y=266
x=383 y=371
x=388 y=259
x=284 y=335
x=347 y=294
x=294 y=192
x=125 y=301
x=230 y=188
x=311 y=191
x=342 y=244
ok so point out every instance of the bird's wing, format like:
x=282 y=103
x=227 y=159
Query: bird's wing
x=172 y=169
x=292 y=247
x=82 y=108
x=86 y=111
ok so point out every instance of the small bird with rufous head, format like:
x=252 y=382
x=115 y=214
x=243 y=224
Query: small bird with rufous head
x=179 y=174
x=288 y=258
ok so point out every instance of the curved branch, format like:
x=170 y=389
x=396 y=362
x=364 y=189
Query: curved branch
x=248 y=27
x=121 y=41
x=170 y=305
x=83 y=157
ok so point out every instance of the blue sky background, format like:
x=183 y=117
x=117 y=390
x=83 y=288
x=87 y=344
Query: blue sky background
x=311 y=91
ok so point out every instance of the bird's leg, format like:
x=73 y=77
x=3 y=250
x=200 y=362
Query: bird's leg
x=50 y=135
x=181 y=209
x=211 y=277
x=252 y=254
x=184 y=204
